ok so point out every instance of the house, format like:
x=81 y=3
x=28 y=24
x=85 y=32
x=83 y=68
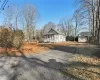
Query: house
x=84 y=36
x=54 y=35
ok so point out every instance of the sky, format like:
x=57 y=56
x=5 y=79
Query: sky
x=49 y=10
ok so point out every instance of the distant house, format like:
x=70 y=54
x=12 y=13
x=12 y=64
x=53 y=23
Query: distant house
x=84 y=36
x=54 y=36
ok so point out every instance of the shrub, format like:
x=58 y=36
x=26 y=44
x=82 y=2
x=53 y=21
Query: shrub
x=71 y=38
x=5 y=38
x=10 y=38
x=76 y=39
x=18 y=37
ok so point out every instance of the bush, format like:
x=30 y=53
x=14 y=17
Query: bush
x=71 y=38
x=5 y=38
x=18 y=37
x=10 y=38
x=76 y=39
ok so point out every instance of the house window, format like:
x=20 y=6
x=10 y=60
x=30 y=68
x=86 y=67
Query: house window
x=46 y=37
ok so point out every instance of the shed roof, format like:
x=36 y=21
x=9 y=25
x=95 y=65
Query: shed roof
x=85 y=34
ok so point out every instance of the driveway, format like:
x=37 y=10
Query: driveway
x=49 y=65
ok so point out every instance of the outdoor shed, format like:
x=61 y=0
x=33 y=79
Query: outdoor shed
x=84 y=36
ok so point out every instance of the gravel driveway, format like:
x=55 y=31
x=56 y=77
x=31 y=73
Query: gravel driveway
x=44 y=66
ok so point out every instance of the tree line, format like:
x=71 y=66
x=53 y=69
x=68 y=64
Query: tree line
x=89 y=10
x=86 y=16
x=24 y=17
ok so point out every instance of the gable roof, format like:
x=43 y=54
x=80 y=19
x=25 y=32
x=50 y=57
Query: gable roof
x=53 y=31
x=85 y=34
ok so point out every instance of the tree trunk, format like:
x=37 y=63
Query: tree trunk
x=93 y=20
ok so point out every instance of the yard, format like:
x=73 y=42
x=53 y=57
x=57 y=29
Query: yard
x=35 y=47
x=50 y=40
x=85 y=65
x=58 y=61
x=26 y=49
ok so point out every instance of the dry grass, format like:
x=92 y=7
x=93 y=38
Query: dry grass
x=83 y=74
x=68 y=43
x=27 y=49
x=33 y=48
x=85 y=68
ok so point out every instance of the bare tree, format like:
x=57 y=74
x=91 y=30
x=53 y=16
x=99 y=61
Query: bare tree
x=48 y=26
x=30 y=15
x=79 y=23
x=97 y=28
x=11 y=15
x=22 y=21
x=91 y=9
x=39 y=35
x=66 y=27
x=8 y=16
x=16 y=16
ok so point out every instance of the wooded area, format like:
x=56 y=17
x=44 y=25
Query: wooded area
x=90 y=13
x=86 y=16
